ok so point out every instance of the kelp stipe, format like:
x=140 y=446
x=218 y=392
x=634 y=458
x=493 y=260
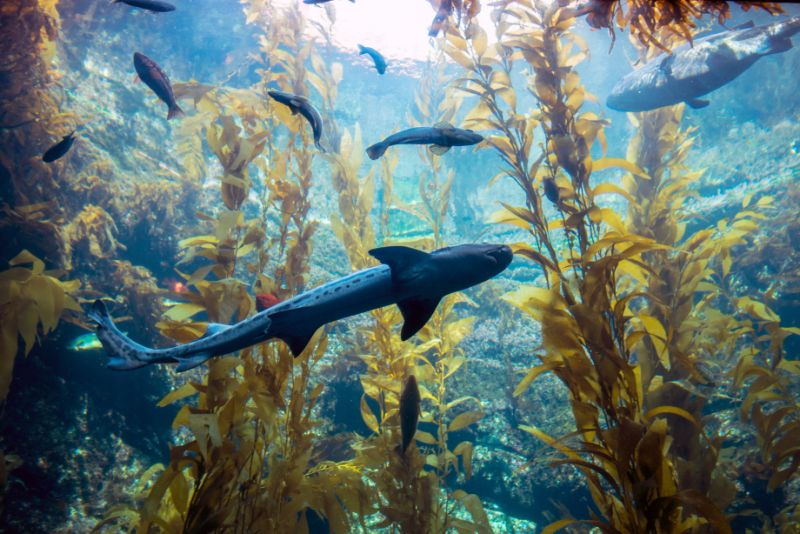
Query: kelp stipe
x=590 y=316
x=247 y=466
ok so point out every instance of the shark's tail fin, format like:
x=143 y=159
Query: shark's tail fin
x=124 y=353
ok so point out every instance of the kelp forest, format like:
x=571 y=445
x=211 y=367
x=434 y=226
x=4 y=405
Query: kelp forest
x=635 y=370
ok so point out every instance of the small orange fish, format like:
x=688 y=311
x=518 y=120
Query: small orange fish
x=266 y=300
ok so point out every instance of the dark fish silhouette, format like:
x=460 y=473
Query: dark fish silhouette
x=377 y=58
x=300 y=104
x=149 y=5
x=155 y=78
x=442 y=137
x=59 y=149
x=409 y=412
x=693 y=70
x=414 y=280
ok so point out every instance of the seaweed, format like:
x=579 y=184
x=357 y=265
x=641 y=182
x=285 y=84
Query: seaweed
x=645 y=19
x=247 y=465
x=610 y=330
x=32 y=300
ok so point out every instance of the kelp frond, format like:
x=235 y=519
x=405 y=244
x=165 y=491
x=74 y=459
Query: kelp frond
x=32 y=301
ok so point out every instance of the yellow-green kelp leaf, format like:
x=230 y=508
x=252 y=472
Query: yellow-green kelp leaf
x=31 y=301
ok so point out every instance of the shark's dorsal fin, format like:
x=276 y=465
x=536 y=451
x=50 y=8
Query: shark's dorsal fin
x=184 y=364
x=744 y=25
x=416 y=313
x=443 y=125
x=401 y=260
x=439 y=149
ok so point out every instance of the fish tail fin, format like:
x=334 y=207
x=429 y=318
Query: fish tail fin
x=124 y=354
x=175 y=111
x=361 y=50
x=377 y=150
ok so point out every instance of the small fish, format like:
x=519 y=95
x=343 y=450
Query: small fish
x=445 y=10
x=149 y=5
x=59 y=149
x=152 y=75
x=409 y=412
x=300 y=104
x=87 y=341
x=377 y=58
x=551 y=190
x=441 y=136
x=266 y=300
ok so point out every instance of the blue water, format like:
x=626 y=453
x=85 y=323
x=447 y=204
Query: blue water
x=84 y=433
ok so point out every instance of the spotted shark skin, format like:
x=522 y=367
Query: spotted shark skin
x=414 y=280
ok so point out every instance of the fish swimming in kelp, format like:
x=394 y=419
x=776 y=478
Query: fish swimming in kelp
x=695 y=69
x=88 y=341
x=377 y=57
x=59 y=149
x=300 y=104
x=551 y=190
x=442 y=137
x=444 y=11
x=150 y=5
x=409 y=412
x=414 y=280
x=265 y=301
x=155 y=78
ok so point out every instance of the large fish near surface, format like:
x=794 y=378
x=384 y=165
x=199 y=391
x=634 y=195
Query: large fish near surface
x=155 y=78
x=150 y=5
x=692 y=71
x=441 y=138
x=412 y=279
x=300 y=104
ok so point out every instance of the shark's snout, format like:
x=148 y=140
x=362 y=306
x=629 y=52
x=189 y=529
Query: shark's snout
x=502 y=256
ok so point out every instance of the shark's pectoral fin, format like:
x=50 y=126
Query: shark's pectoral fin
x=697 y=103
x=439 y=149
x=184 y=364
x=403 y=261
x=416 y=313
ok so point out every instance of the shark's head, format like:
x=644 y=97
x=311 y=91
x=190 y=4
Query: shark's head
x=461 y=137
x=281 y=96
x=469 y=265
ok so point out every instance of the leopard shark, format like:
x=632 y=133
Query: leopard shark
x=694 y=69
x=414 y=280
